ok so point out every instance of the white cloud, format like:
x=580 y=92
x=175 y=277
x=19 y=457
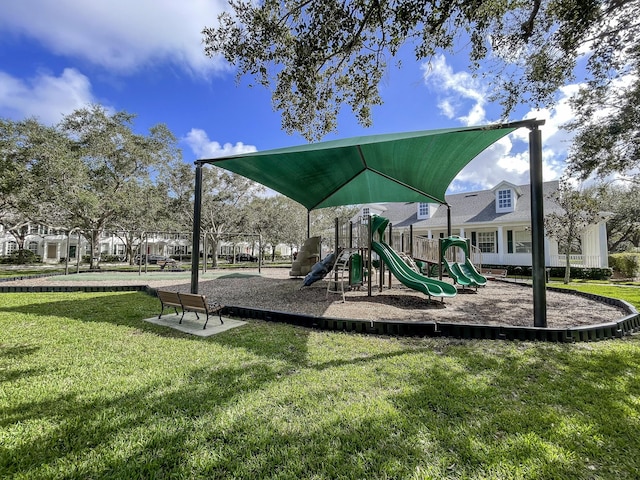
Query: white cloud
x=456 y=90
x=199 y=142
x=120 y=35
x=463 y=97
x=44 y=96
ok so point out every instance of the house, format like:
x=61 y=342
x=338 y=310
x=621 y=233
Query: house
x=498 y=223
x=51 y=245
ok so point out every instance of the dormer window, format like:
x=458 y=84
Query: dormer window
x=505 y=200
x=423 y=211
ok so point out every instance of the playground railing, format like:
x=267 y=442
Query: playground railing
x=426 y=249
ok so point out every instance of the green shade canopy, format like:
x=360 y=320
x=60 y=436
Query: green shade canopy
x=399 y=167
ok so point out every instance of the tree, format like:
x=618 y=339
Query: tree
x=14 y=179
x=623 y=226
x=224 y=195
x=24 y=145
x=147 y=210
x=106 y=158
x=271 y=217
x=318 y=56
x=579 y=210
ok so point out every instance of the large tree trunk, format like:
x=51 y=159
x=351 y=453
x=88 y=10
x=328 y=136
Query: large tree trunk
x=95 y=250
x=214 y=252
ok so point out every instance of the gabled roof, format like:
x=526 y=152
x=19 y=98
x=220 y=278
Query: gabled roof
x=413 y=166
x=471 y=208
x=503 y=185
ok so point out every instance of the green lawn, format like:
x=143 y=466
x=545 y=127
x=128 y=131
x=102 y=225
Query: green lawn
x=90 y=391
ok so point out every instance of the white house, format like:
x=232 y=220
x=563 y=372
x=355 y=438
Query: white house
x=498 y=223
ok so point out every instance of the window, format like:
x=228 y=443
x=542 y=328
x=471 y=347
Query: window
x=522 y=240
x=423 y=210
x=33 y=247
x=487 y=242
x=505 y=200
x=11 y=247
x=365 y=211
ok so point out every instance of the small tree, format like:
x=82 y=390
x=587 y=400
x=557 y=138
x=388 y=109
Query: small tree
x=623 y=227
x=579 y=210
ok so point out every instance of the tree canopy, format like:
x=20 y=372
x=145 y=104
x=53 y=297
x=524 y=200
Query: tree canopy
x=318 y=56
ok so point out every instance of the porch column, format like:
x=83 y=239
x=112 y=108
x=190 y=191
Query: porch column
x=602 y=243
x=501 y=247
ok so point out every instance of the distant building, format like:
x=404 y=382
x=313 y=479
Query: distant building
x=498 y=223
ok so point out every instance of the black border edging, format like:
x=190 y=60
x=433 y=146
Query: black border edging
x=604 y=331
x=29 y=277
x=73 y=288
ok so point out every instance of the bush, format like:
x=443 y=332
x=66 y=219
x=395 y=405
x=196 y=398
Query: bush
x=626 y=264
x=577 y=273
x=22 y=257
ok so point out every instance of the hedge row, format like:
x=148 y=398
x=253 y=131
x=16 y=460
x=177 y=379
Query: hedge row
x=626 y=264
x=577 y=273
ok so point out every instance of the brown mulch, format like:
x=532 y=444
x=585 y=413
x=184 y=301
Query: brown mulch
x=498 y=303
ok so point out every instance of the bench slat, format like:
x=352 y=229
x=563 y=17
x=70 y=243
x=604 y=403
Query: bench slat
x=189 y=302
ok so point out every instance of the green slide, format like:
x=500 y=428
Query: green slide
x=405 y=274
x=455 y=272
x=464 y=274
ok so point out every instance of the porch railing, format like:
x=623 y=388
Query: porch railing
x=584 y=261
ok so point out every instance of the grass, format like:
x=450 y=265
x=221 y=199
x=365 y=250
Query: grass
x=91 y=391
x=628 y=293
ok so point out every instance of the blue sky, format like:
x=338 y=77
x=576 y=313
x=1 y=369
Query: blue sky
x=146 y=57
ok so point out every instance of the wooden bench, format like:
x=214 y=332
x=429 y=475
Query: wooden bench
x=169 y=299
x=173 y=265
x=494 y=272
x=189 y=302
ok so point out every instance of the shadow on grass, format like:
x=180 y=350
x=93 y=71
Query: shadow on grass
x=124 y=308
x=251 y=403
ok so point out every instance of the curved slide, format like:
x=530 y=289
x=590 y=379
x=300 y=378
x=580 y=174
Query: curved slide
x=465 y=274
x=405 y=274
x=410 y=277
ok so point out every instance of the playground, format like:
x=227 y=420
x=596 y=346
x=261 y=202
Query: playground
x=497 y=303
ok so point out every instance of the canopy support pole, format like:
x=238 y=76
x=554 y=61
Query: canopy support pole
x=369 y=267
x=537 y=228
x=195 y=239
x=308 y=223
x=448 y=220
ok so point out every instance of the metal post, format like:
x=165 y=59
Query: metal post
x=142 y=235
x=337 y=239
x=369 y=254
x=260 y=253
x=308 y=223
x=78 y=254
x=66 y=261
x=448 y=220
x=537 y=228
x=411 y=240
x=146 y=253
x=195 y=239
x=205 y=248
x=390 y=230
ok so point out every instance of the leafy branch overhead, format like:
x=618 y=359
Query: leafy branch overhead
x=317 y=56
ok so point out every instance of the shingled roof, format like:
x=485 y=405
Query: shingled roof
x=471 y=208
